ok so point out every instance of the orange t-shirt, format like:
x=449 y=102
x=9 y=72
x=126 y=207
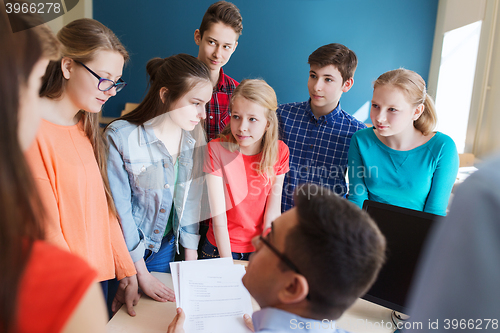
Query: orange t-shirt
x=245 y=191
x=77 y=216
x=53 y=284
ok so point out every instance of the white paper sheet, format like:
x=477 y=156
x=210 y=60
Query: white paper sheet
x=212 y=296
x=174 y=270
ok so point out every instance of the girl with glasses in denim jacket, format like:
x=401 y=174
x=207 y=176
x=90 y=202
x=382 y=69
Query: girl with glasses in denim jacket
x=155 y=168
x=68 y=157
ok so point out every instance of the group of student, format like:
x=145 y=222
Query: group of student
x=125 y=202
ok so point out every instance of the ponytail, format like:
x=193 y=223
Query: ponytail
x=428 y=119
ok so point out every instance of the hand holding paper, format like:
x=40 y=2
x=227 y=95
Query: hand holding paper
x=212 y=295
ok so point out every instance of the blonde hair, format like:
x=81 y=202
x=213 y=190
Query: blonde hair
x=413 y=87
x=81 y=41
x=259 y=92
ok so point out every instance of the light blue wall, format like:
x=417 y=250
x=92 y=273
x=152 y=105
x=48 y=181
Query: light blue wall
x=278 y=36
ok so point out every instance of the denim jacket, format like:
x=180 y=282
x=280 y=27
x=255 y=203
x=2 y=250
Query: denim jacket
x=140 y=172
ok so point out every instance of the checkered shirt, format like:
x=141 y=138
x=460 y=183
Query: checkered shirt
x=218 y=108
x=318 y=147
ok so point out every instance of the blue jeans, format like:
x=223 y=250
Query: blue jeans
x=159 y=261
x=209 y=251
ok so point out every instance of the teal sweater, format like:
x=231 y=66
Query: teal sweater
x=420 y=178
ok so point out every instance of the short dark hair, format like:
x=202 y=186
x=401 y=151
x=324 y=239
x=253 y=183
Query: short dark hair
x=337 y=247
x=224 y=12
x=337 y=55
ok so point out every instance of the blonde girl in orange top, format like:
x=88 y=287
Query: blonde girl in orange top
x=68 y=158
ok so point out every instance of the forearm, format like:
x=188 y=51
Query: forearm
x=142 y=270
x=273 y=205
x=222 y=236
x=273 y=211
x=442 y=182
x=190 y=254
x=357 y=187
x=358 y=191
x=270 y=216
x=124 y=264
x=439 y=194
x=216 y=197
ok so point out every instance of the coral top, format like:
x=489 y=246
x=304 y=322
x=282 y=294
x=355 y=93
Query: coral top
x=71 y=187
x=245 y=191
x=53 y=284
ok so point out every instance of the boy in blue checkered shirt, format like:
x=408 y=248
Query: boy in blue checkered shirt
x=318 y=131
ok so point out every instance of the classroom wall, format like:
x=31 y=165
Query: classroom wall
x=278 y=36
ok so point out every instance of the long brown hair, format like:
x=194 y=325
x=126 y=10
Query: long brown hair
x=82 y=39
x=261 y=93
x=179 y=74
x=20 y=206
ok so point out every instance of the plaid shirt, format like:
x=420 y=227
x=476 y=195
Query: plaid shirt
x=318 y=147
x=218 y=108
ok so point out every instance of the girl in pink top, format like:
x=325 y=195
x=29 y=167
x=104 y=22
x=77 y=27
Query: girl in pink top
x=246 y=166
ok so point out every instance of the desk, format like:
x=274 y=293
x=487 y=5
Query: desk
x=154 y=317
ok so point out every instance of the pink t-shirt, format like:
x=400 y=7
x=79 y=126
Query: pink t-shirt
x=245 y=191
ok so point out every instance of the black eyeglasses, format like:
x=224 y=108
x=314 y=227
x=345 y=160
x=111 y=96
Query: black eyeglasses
x=105 y=84
x=280 y=255
x=283 y=258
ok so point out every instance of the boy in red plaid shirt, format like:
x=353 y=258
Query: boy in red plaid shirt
x=217 y=39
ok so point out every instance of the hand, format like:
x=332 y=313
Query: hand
x=248 y=321
x=153 y=287
x=127 y=293
x=177 y=325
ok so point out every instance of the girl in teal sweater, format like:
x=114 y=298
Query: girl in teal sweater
x=400 y=160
